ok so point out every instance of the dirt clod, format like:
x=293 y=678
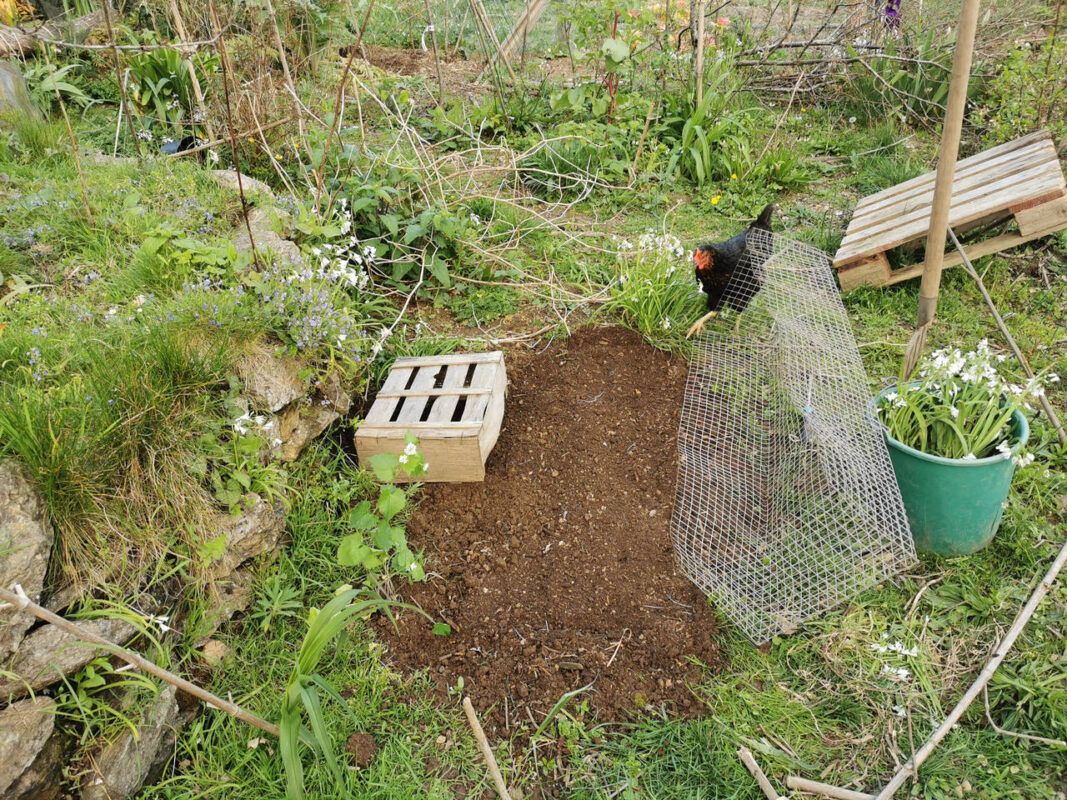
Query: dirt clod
x=362 y=747
x=566 y=575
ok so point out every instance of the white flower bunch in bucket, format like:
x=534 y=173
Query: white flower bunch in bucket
x=961 y=407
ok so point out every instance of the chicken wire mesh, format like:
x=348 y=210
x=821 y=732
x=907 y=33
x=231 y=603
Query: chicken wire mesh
x=787 y=503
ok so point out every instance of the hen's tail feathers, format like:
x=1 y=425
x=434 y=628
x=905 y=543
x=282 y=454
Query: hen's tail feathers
x=764 y=219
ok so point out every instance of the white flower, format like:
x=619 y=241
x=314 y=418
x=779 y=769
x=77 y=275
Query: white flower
x=213 y=157
x=403 y=459
x=161 y=622
x=1023 y=460
x=955 y=412
x=410 y=449
x=425 y=466
x=1004 y=449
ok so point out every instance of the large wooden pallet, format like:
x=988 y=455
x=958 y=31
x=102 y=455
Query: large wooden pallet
x=1022 y=178
x=454 y=404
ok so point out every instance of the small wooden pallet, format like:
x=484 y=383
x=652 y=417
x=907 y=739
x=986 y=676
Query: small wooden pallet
x=1021 y=178
x=454 y=404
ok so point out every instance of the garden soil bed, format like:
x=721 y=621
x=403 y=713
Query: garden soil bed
x=558 y=571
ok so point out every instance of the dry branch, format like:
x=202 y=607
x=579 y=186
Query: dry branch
x=487 y=751
x=22 y=42
x=20 y=601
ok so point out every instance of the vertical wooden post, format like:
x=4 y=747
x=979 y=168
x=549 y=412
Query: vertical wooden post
x=295 y=99
x=118 y=77
x=179 y=26
x=698 y=67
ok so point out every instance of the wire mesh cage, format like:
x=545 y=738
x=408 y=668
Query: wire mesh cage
x=787 y=503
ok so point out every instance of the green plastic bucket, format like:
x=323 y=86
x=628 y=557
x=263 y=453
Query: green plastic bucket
x=954 y=507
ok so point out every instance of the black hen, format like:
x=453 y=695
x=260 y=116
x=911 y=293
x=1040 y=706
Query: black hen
x=721 y=264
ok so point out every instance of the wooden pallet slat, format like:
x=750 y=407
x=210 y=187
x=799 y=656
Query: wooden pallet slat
x=1022 y=177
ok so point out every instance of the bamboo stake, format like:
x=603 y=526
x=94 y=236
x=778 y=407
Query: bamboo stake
x=698 y=69
x=70 y=135
x=285 y=68
x=946 y=168
x=226 y=73
x=761 y=778
x=816 y=787
x=20 y=601
x=122 y=84
x=198 y=95
x=999 y=654
x=1046 y=406
x=335 y=123
x=436 y=55
x=487 y=751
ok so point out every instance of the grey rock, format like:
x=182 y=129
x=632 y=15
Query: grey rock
x=24 y=728
x=231 y=595
x=14 y=96
x=260 y=222
x=121 y=768
x=334 y=392
x=255 y=531
x=49 y=653
x=25 y=545
x=300 y=424
x=43 y=779
x=105 y=160
x=227 y=179
x=271 y=382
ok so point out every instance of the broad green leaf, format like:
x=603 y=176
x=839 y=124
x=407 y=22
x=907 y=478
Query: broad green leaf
x=391 y=502
x=384 y=466
x=352 y=551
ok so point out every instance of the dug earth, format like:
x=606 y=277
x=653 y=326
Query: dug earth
x=558 y=571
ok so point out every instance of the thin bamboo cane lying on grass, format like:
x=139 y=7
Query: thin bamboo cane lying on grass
x=999 y=654
x=21 y=602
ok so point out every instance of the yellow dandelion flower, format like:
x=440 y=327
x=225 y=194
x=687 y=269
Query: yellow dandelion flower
x=715 y=200
x=278 y=156
x=733 y=176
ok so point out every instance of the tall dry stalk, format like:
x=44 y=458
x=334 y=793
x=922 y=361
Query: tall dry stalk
x=116 y=62
x=226 y=76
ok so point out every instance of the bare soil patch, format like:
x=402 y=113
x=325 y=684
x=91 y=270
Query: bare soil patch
x=558 y=571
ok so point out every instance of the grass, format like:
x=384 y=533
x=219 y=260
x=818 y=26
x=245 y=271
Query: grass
x=146 y=307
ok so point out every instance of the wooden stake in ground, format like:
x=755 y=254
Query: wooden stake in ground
x=487 y=751
x=73 y=141
x=698 y=68
x=946 y=169
x=295 y=98
x=1046 y=406
x=19 y=600
x=436 y=55
x=226 y=74
x=118 y=78
x=198 y=95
